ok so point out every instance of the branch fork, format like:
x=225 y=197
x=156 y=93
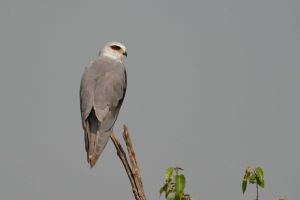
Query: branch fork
x=132 y=169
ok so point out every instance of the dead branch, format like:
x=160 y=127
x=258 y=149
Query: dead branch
x=132 y=169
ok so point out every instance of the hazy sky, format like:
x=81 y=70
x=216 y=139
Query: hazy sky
x=212 y=87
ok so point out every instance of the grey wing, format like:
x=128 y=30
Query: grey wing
x=109 y=95
x=87 y=86
x=89 y=122
x=102 y=91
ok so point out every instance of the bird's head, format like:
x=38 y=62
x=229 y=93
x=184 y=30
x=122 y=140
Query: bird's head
x=114 y=50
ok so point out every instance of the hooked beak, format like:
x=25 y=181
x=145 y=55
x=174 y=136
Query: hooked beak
x=125 y=53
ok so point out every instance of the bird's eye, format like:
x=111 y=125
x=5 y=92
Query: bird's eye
x=115 y=47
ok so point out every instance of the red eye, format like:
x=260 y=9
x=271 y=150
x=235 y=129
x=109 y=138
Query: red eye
x=115 y=47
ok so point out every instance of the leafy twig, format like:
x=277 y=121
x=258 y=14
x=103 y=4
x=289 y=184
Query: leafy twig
x=174 y=185
x=253 y=176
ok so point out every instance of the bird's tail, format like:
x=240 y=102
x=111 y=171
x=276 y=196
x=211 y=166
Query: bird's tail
x=97 y=145
x=95 y=141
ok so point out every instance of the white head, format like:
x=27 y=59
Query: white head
x=114 y=50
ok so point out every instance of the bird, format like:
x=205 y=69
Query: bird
x=102 y=91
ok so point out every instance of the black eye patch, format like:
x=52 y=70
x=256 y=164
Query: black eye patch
x=115 y=47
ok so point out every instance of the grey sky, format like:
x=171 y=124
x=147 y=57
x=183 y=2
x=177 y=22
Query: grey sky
x=212 y=86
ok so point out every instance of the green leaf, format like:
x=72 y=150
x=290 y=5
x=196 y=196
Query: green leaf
x=169 y=173
x=260 y=176
x=262 y=185
x=179 y=183
x=259 y=171
x=252 y=179
x=163 y=189
x=177 y=197
x=244 y=185
x=247 y=173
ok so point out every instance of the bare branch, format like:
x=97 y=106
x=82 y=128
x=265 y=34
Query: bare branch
x=133 y=171
x=135 y=168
